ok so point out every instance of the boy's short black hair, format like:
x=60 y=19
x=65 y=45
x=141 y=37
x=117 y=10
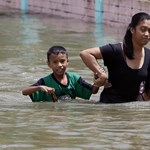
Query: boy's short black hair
x=56 y=50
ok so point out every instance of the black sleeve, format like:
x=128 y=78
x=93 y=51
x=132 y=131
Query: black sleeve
x=107 y=53
x=147 y=82
x=85 y=84
x=39 y=82
x=112 y=53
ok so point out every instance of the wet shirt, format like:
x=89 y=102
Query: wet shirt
x=125 y=80
x=76 y=87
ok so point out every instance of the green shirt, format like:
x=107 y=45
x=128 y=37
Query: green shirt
x=76 y=87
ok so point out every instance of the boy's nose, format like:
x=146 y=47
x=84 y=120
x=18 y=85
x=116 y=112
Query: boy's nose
x=59 y=64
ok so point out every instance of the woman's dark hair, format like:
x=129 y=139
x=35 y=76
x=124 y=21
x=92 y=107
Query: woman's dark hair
x=56 y=50
x=127 y=41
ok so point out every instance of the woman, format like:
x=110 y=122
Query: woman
x=128 y=63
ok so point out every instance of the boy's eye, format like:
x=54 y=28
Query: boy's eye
x=54 y=62
x=62 y=61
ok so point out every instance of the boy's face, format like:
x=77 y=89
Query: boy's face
x=58 y=63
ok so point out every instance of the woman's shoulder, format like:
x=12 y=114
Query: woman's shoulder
x=147 y=49
x=116 y=45
x=147 y=52
x=112 y=46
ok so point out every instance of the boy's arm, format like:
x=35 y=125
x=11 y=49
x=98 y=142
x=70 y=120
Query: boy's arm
x=32 y=89
x=39 y=85
x=95 y=89
x=97 y=83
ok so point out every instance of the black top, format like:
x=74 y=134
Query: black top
x=81 y=81
x=125 y=80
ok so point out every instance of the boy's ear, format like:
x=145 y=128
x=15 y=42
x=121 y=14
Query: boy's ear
x=48 y=63
x=67 y=61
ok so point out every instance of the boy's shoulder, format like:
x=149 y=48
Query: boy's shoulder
x=72 y=73
x=47 y=76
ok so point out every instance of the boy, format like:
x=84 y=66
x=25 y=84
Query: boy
x=60 y=83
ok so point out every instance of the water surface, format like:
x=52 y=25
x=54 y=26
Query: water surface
x=76 y=125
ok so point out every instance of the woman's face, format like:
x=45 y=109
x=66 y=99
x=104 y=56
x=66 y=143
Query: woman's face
x=141 y=33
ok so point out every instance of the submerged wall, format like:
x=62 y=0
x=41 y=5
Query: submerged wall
x=106 y=11
x=78 y=9
x=123 y=10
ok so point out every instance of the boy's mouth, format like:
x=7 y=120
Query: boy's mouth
x=60 y=70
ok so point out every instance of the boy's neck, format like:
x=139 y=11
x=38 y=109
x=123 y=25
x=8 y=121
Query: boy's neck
x=62 y=78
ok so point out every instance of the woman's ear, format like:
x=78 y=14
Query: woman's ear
x=131 y=30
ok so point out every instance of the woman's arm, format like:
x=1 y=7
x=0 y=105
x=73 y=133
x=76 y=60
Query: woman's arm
x=146 y=96
x=89 y=57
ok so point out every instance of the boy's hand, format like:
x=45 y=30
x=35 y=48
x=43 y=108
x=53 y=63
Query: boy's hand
x=47 y=89
x=101 y=80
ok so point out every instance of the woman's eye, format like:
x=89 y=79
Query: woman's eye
x=143 y=29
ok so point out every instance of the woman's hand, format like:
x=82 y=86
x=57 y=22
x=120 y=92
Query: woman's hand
x=101 y=79
x=146 y=96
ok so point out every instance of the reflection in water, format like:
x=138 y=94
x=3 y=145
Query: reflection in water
x=76 y=125
x=71 y=125
x=30 y=30
x=24 y=6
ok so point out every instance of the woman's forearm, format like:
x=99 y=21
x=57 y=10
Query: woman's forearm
x=90 y=57
x=146 y=96
x=91 y=62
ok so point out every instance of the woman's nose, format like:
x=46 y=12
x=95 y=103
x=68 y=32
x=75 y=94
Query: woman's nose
x=147 y=33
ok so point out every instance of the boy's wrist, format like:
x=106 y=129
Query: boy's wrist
x=95 y=85
x=99 y=82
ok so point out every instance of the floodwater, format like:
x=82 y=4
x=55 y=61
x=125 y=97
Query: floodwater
x=76 y=125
